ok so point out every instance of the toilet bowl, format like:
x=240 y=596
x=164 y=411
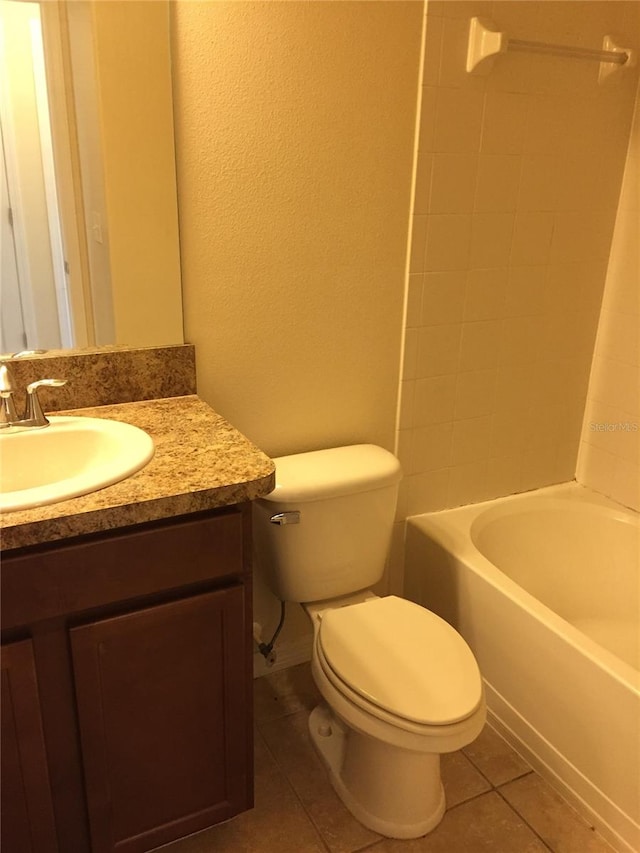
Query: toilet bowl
x=400 y=685
x=391 y=708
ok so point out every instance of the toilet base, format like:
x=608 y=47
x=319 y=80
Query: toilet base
x=393 y=791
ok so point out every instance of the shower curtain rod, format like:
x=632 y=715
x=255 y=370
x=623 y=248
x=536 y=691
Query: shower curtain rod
x=486 y=42
x=618 y=57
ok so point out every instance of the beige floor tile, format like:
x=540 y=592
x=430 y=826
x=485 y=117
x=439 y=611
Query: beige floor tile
x=277 y=823
x=288 y=739
x=483 y=825
x=494 y=758
x=284 y=692
x=460 y=778
x=553 y=819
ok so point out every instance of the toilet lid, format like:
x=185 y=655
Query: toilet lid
x=402 y=658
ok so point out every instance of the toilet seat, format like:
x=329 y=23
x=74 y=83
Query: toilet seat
x=399 y=662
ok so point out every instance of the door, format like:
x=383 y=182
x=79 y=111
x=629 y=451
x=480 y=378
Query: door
x=163 y=720
x=27 y=813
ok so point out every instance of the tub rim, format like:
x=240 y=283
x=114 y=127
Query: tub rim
x=451 y=530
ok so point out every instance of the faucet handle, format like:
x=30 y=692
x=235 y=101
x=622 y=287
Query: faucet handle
x=34 y=415
x=8 y=413
x=6 y=378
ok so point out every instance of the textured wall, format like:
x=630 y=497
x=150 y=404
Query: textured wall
x=609 y=457
x=518 y=179
x=294 y=132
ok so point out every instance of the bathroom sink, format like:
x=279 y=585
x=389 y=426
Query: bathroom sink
x=70 y=457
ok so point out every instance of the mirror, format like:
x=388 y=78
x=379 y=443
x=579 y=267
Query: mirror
x=90 y=252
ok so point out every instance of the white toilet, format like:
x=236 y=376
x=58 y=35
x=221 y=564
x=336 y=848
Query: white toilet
x=400 y=685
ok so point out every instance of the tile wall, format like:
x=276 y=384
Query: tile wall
x=517 y=185
x=609 y=457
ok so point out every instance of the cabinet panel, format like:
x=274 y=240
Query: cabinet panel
x=65 y=579
x=27 y=813
x=163 y=719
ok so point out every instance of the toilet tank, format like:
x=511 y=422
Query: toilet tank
x=325 y=530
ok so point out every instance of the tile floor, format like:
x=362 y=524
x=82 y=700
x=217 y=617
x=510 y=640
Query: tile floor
x=495 y=802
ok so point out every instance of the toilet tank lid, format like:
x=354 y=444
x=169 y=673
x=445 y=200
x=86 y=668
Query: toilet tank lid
x=322 y=474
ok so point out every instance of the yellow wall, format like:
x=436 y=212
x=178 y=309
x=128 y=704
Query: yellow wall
x=132 y=48
x=517 y=185
x=294 y=135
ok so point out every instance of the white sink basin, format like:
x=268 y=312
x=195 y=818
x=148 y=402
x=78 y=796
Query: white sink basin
x=70 y=457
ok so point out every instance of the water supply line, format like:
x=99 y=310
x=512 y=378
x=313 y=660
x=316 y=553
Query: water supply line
x=266 y=649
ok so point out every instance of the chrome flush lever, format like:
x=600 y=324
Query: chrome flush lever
x=281 y=518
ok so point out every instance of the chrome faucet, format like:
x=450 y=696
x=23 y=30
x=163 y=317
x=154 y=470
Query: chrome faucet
x=34 y=416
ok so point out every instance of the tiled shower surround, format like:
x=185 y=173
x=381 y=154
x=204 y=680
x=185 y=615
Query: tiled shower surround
x=516 y=191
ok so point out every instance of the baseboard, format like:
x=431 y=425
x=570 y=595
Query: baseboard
x=618 y=828
x=287 y=654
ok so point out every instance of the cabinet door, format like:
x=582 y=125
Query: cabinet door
x=163 y=720
x=27 y=812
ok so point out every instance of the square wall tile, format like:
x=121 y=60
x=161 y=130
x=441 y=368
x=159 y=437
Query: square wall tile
x=471 y=440
x=526 y=291
x=448 y=241
x=427 y=491
x=467 y=483
x=431 y=447
x=458 y=121
x=513 y=386
x=498 y=182
x=625 y=483
x=503 y=476
x=547 y=129
x=453 y=183
x=491 y=237
x=475 y=392
x=434 y=400
x=504 y=125
x=522 y=339
x=510 y=431
x=539 y=182
x=532 y=236
x=443 y=297
x=438 y=349
x=480 y=346
x=485 y=294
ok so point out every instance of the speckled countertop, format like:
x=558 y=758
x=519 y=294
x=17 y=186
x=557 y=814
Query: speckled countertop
x=200 y=462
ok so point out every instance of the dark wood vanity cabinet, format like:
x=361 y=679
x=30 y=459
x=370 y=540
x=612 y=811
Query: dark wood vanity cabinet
x=27 y=809
x=126 y=690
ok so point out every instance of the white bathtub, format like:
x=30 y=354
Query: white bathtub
x=545 y=587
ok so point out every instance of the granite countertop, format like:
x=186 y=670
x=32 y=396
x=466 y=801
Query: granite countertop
x=201 y=462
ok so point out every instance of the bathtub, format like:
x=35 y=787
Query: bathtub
x=545 y=588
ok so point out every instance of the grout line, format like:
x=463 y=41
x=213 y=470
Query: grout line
x=285 y=776
x=495 y=786
x=524 y=820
